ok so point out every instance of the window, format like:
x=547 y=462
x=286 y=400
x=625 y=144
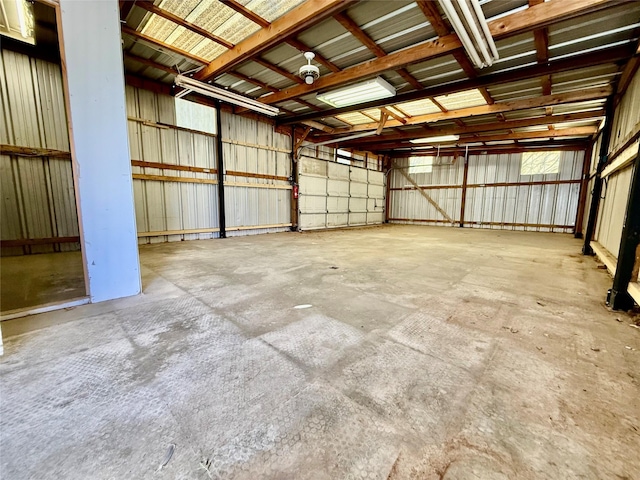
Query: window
x=540 y=163
x=343 y=156
x=18 y=21
x=420 y=164
x=194 y=116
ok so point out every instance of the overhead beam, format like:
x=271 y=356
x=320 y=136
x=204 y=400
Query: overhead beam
x=471 y=129
x=298 y=19
x=194 y=58
x=519 y=22
x=554 y=144
x=498 y=107
x=150 y=63
x=563 y=132
x=607 y=56
x=245 y=12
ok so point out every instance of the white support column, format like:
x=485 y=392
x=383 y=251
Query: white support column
x=91 y=50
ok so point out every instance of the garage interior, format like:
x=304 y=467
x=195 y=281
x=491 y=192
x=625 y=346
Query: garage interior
x=320 y=239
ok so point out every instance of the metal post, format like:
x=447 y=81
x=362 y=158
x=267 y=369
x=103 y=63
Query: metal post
x=465 y=176
x=294 y=181
x=221 y=210
x=582 y=196
x=597 y=183
x=620 y=298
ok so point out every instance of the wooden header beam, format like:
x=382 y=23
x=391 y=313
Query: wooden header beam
x=608 y=56
x=534 y=17
x=298 y=19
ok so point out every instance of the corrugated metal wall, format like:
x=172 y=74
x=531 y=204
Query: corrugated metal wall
x=38 y=200
x=617 y=182
x=257 y=168
x=497 y=196
x=168 y=209
x=259 y=202
x=337 y=195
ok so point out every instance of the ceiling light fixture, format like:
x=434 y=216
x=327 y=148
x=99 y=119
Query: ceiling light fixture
x=435 y=140
x=309 y=73
x=469 y=23
x=191 y=85
x=361 y=92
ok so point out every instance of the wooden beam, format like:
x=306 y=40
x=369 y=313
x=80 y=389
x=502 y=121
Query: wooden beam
x=558 y=133
x=165 y=178
x=130 y=31
x=383 y=120
x=301 y=139
x=150 y=63
x=35 y=152
x=280 y=71
x=21 y=242
x=391 y=114
x=150 y=7
x=245 y=12
x=168 y=166
x=498 y=107
x=319 y=126
x=519 y=22
x=430 y=10
x=296 y=20
x=353 y=28
x=627 y=75
x=470 y=129
x=603 y=57
x=427 y=197
x=297 y=44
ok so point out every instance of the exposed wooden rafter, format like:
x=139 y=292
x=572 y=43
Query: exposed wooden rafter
x=169 y=48
x=498 y=107
x=529 y=19
x=608 y=56
x=150 y=63
x=473 y=129
x=288 y=25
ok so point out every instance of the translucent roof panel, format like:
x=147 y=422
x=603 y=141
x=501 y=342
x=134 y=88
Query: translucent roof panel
x=419 y=107
x=354 y=118
x=465 y=99
x=270 y=10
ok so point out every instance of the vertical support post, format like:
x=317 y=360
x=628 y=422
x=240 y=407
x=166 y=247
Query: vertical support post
x=294 y=180
x=582 y=196
x=221 y=209
x=465 y=176
x=597 y=183
x=93 y=78
x=620 y=298
x=388 y=163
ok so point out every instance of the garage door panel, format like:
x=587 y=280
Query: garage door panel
x=376 y=191
x=376 y=178
x=337 y=219
x=337 y=204
x=358 y=175
x=338 y=171
x=357 y=219
x=309 y=221
x=358 y=205
x=358 y=189
x=312 y=166
x=313 y=186
x=338 y=188
x=311 y=204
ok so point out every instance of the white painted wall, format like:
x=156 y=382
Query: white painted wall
x=91 y=50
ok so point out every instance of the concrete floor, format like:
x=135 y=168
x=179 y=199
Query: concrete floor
x=34 y=280
x=426 y=353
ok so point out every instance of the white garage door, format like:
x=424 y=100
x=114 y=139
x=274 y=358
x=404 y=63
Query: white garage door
x=336 y=195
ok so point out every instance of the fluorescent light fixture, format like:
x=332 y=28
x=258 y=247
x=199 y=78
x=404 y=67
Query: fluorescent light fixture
x=191 y=85
x=440 y=139
x=469 y=23
x=359 y=93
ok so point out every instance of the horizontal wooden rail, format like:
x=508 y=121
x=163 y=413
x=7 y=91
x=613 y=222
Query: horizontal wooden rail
x=500 y=224
x=21 y=242
x=165 y=178
x=34 y=152
x=496 y=184
x=168 y=166
x=161 y=233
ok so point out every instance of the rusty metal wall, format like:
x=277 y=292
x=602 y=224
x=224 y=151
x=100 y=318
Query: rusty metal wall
x=497 y=195
x=38 y=199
